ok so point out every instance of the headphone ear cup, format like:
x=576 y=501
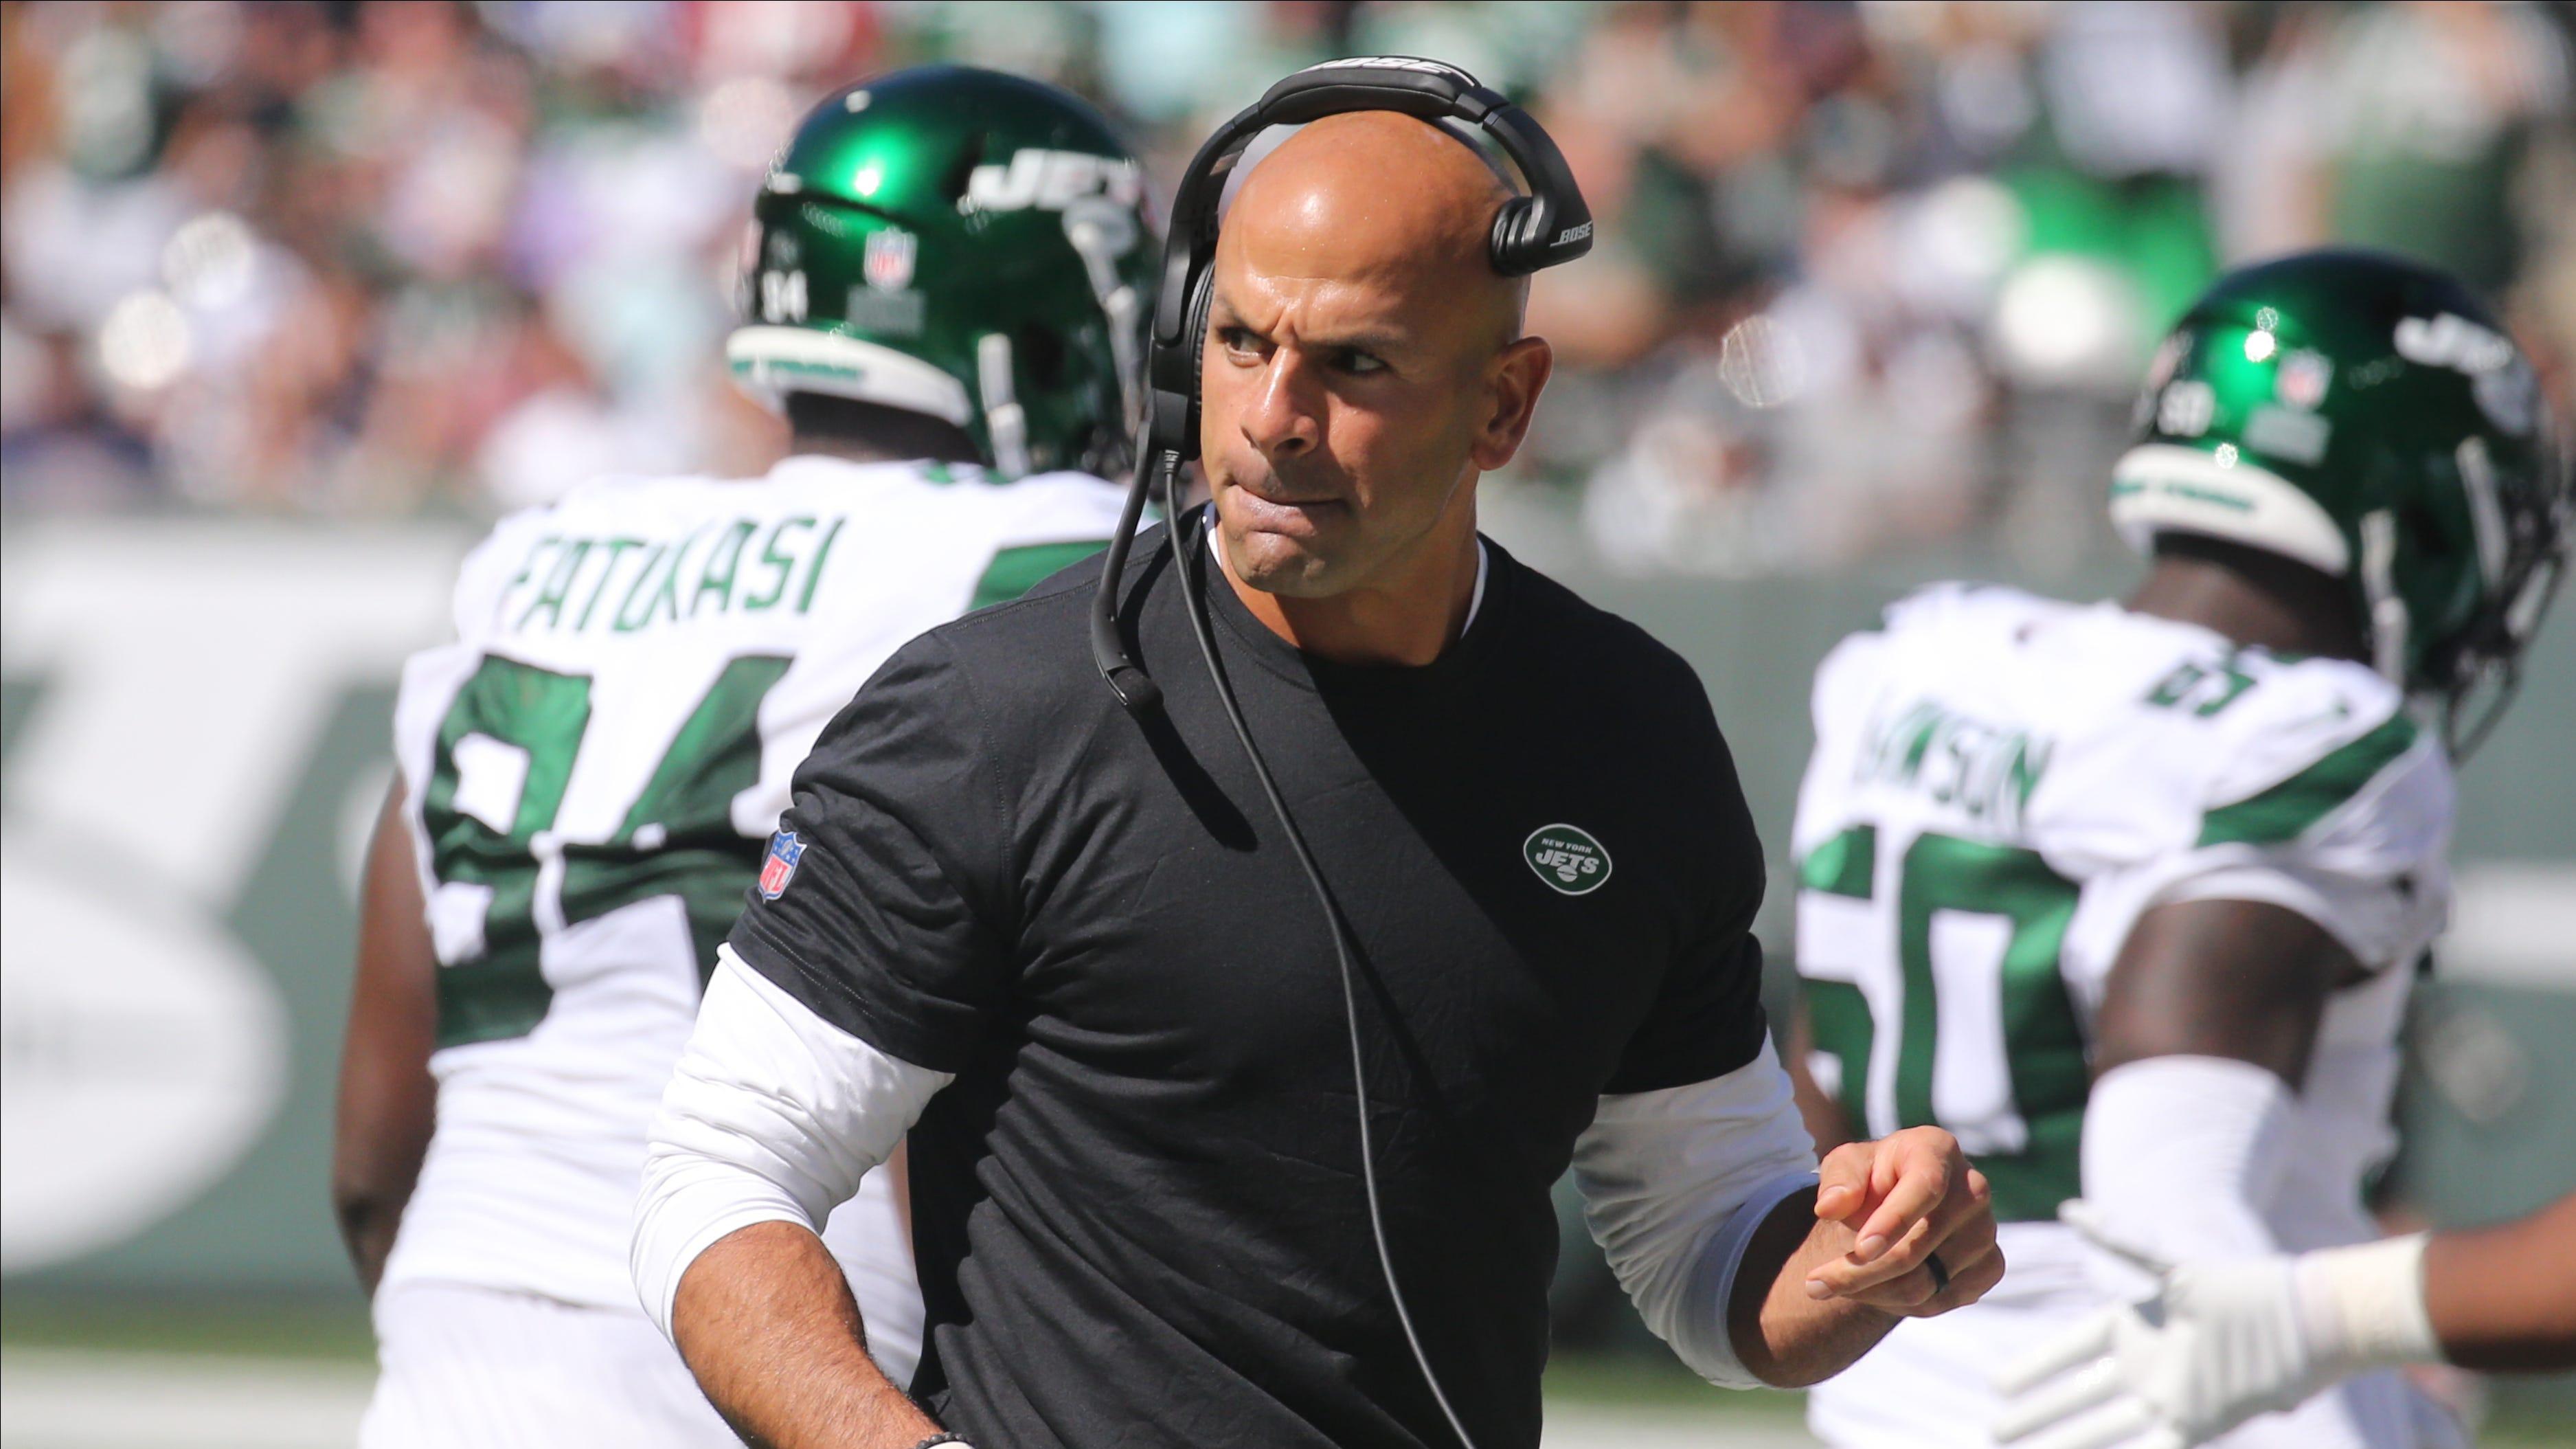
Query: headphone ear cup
x=1170 y=357
x=1512 y=247
x=1202 y=297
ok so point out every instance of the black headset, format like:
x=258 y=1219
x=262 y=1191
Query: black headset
x=1549 y=225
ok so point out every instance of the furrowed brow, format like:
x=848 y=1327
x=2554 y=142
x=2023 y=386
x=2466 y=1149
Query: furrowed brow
x=1377 y=342
x=1222 y=316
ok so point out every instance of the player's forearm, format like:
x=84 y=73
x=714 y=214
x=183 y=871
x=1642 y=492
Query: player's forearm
x=2503 y=1299
x=1785 y=1337
x=388 y=1103
x=765 y=1320
x=367 y=1227
x=381 y=1136
x=2181 y=1152
x=1816 y=1107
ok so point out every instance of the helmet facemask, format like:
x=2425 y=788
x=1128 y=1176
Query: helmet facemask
x=2483 y=663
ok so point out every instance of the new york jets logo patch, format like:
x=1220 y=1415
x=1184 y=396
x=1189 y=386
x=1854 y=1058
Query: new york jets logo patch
x=1567 y=858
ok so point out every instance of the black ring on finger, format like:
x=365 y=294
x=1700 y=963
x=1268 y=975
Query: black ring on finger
x=1940 y=1274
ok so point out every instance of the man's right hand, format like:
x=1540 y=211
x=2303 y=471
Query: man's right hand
x=773 y=1117
x=1923 y=1223
x=767 y=1306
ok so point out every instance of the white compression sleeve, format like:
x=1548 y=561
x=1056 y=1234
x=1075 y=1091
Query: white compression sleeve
x=773 y=1115
x=2183 y=1154
x=1674 y=1184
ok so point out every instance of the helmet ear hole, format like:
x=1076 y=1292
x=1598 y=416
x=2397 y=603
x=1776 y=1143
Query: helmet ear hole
x=1041 y=355
x=2417 y=521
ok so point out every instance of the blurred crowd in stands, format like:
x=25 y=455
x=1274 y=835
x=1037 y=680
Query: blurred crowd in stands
x=1871 y=276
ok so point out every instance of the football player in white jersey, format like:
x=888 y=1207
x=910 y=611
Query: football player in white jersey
x=2129 y=895
x=947 y=301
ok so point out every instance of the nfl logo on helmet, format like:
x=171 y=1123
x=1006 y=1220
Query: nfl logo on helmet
x=888 y=264
x=780 y=865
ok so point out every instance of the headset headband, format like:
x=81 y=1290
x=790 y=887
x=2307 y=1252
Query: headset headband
x=1549 y=225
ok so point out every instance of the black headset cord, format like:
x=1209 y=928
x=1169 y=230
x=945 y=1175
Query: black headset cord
x=1194 y=603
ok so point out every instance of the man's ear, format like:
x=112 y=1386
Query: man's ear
x=1517 y=376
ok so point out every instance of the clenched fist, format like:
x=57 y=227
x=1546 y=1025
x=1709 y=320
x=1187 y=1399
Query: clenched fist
x=1923 y=1222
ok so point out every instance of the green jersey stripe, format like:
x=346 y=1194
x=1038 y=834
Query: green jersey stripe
x=1015 y=571
x=2285 y=811
x=1844 y=865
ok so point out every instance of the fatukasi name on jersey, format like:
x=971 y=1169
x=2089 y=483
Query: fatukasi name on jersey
x=753 y=564
x=2003 y=784
x=593 y=769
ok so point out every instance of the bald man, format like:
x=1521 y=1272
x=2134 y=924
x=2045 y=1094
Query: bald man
x=1071 y=953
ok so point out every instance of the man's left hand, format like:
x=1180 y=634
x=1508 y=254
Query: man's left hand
x=1923 y=1223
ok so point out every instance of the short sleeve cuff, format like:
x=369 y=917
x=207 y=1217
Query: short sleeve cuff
x=836 y=1001
x=1713 y=1356
x=2370 y=921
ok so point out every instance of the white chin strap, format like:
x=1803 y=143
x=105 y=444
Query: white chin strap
x=2388 y=619
x=1004 y=419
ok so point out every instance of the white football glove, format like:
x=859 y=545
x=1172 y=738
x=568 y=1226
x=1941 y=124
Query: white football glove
x=2218 y=1343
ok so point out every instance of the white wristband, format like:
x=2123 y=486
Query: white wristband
x=2364 y=1305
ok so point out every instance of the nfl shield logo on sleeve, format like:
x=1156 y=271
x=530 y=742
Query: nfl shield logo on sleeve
x=780 y=866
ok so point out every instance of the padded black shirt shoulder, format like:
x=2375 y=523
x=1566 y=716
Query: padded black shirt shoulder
x=1137 y=1209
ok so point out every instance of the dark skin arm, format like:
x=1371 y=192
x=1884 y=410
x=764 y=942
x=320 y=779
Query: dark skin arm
x=388 y=1103
x=774 y=1309
x=2234 y=979
x=2503 y=1299
x=2243 y=980
x=1827 y=1120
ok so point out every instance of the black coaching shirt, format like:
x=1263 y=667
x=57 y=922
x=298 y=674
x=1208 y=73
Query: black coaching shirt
x=1137 y=1210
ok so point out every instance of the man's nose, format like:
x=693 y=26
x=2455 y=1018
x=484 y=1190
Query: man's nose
x=1280 y=417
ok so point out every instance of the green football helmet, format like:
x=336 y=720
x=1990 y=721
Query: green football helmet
x=2366 y=416
x=963 y=244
